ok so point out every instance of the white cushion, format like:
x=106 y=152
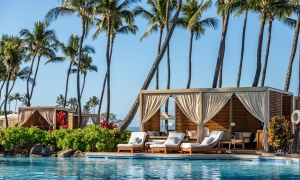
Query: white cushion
x=194 y=145
x=171 y=140
x=150 y=133
x=179 y=136
x=133 y=140
x=207 y=140
x=128 y=145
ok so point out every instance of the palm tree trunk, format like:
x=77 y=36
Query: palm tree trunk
x=77 y=73
x=263 y=77
x=28 y=78
x=259 y=47
x=84 y=76
x=158 y=50
x=125 y=123
x=221 y=50
x=108 y=70
x=67 y=83
x=168 y=57
x=34 y=78
x=105 y=77
x=16 y=106
x=292 y=57
x=242 y=51
x=190 y=61
x=10 y=89
x=4 y=80
x=5 y=100
x=220 y=79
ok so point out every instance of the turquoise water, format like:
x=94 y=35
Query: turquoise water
x=81 y=168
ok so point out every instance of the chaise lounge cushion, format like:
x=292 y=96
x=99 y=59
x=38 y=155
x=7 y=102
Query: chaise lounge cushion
x=214 y=138
x=137 y=139
x=171 y=141
x=207 y=140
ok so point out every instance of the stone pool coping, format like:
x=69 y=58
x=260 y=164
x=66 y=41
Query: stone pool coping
x=175 y=156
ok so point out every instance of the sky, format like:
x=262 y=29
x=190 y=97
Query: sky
x=132 y=59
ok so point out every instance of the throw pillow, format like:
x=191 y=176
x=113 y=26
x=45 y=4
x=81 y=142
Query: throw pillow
x=207 y=140
x=171 y=140
x=133 y=140
x=156 y=133
x=192 y=134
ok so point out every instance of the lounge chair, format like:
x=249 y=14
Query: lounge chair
x=208 y=144
x=136 y=143
x=171 y=144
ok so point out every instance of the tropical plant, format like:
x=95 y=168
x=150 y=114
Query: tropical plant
x=86 y=65
x=125 y=123
x=93 y=102
x=191 y=20
x=17 y=97
x=61 y=120
x=86 y=108
x=279 y=133
x=157 y=20
x=85 y=9
x=60 y=100
x=107 y=125
x=10 y=98
x=24 y=100
x=72 y=103
x=70 y=52
x=41 y=42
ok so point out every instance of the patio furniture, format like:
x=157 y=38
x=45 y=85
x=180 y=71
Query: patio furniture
x=241 y=138
x=136 y=143
x=208 y=144
x=226 y=138
x=171 y=144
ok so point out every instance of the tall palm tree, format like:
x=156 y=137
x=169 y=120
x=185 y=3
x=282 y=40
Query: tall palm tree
x=41 y=42
x=93 y=102
x=157 y=21
x=70 y=52
x=85 y=9
x=17 y=97
x=2 y=75
x=24 y=100
x=10 y=98
x=125 y=123
x=12 y=53
x=73 y=103
x=85 y=66
x=219 y=64
x=191 y=20
x=86 y=108
x=60 y=100
x=275 y=9
x=117 y=27
x=294 y=46
x=113 y=12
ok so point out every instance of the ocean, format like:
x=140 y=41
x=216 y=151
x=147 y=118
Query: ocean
x=134 y=129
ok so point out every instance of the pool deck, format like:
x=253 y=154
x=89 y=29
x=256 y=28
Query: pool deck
x=196 y=156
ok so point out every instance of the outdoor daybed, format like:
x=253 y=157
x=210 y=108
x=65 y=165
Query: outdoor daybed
x=208 y=144
x=136 y=143
x=171 y=144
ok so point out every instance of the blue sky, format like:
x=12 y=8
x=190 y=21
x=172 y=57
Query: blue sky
x=132 y=59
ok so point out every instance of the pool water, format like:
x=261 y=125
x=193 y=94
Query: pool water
x=81 y=168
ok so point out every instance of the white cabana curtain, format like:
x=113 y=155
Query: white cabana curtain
x=152 y=103
x=48 y=115
x=96 y=120
x=190 y=106
x=212 y=103
x=85 y=120
x=255 y=103
x=24 y=115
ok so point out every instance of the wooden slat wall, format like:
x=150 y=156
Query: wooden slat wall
x=286 y=105
x=153 y=124
x=221 y=120
x=183 y=123
x=296 y=104
x=275 y=104
x=70 y=121
x=75 y=122
x=34 y=121
x=243 y=119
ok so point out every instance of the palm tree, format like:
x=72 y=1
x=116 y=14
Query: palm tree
x=275 y=9
x=70 y=52
x=17 y=97
x=93 y=102
x=86 y=109
x=113 y=12
x=135 y=105
x=10 y=99
x=12 y=53
x=60 y=100
x=24 y=100
x=157 y=19
x=86 y=65
x=191 y=20
x=117 y=27
x=41 y=42
x=219 y=64
x=73 y=103
x=294 y=46
x=85 y=9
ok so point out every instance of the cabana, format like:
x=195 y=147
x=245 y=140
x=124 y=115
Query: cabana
x=248 y=109
x=73 y=121
x=43 y=117
x=12 y=120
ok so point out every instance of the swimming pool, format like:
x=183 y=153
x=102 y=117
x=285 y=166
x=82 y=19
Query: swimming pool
x=81 y=168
